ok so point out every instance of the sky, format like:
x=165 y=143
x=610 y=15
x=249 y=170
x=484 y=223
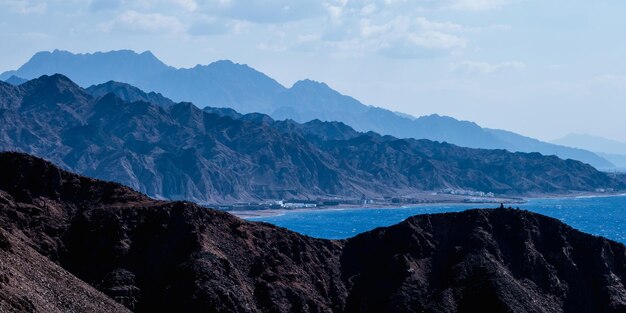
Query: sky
x=543 y=68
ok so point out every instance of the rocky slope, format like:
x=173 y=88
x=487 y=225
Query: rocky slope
x=238 y=86
x=176 y=256
x=180 y=152
x=30 y=282
x=154 y=256
x=483 y=261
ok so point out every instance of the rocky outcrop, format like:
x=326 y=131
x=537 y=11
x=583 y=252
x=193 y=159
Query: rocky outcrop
x=483 y=261
x=176 y=256
x=30 y=282
x=164 y=256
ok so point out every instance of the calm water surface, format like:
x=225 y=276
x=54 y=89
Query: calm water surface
x=603 y=216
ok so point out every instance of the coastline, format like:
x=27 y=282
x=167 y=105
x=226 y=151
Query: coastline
x=253 y=214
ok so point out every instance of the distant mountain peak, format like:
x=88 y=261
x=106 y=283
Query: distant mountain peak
x=447 y=119
x=148 y=53
x=52 y=90
x=129 y=52
x=435 y=115
x=15 y=80
x=185 y=106
x=231 y=67
x=310 y=83
x=129 y=93
x=225 y=62
x=60 y=81
x=88 y=69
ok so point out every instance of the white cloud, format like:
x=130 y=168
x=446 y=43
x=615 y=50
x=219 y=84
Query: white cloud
x=268 y=11
x=477 y=5
x=24 y=6
x=610 y=80
x=406 y=37
x=487 y=68
x=151 y=6
x=207 y=25
x=392 y=28
x=189 y=5
x=275 y=42
x=145 y=22
x=368 y=9
x=407 y=6
x=99 y=5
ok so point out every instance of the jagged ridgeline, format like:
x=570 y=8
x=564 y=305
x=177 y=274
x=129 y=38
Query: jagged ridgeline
x=240 y=87
x=177 y=151
x=73 y=244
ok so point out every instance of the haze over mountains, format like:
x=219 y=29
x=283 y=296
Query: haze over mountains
x=612 y=150
x=236 y=86
x=177 y=151
x=62 y=236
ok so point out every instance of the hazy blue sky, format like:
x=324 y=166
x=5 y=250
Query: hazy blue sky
x=543 y=68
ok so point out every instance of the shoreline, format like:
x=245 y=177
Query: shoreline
x=253 y=214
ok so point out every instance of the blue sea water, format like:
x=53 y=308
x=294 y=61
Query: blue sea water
x=602 y=216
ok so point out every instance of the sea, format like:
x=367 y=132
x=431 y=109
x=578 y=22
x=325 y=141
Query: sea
x=601 y=216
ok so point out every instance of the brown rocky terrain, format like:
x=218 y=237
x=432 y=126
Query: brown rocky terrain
x=30 y=282
x=62 y=236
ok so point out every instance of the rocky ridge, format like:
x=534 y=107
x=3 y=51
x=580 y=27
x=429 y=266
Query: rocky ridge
x=155 y=255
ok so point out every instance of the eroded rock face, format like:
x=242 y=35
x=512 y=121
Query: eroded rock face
x=483 y=260
x=175 y=256
x=30 y=282
x=152 y=255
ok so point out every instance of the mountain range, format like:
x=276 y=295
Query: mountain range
x=177 y=151
x=246 y=90
x=72 y=244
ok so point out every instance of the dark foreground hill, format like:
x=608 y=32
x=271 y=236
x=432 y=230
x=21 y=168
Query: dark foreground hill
x=179 y=257
x=177 y=151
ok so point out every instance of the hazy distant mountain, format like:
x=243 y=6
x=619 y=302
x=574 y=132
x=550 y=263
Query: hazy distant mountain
x=618 y=159
x=219 y=84
x=612 y=150
x=182 y=152
x=15 y=81
x=521 y=143
x=92 y=68
x=226 y=84
x=308 y=100
x=593 y=143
